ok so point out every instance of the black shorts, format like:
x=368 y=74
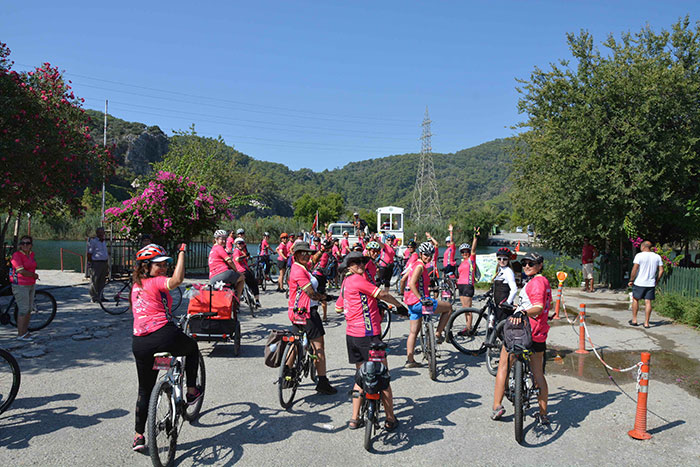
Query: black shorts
x=229 y=277
x=643 y=293
x=358 y=347
x=539 y=346
x=384 y=275
x=281 y=264
x=314 y=325
x=465 y=290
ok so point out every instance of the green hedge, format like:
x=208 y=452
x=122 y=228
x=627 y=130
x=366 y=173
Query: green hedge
x=682 y=309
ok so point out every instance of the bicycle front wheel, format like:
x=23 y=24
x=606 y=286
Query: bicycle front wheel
x=10 y=377
x=431 y=350
x=386 y=323
x=493 y=356
x=192 y=411
x=177 y=297
x=518 y=400
x=115 y=297
x=42 y=313
x=467 y=340
x=162 y=425
x=289 y=377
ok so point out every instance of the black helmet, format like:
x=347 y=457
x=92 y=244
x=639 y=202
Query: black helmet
x=412 y=244
x=534 y=257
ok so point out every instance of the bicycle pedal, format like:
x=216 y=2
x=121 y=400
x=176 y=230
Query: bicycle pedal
x=313 y=357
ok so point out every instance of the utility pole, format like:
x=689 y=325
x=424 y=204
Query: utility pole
x=104 y=143
x=426 y=202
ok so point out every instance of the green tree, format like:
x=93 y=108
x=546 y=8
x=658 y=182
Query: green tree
x=612 y=136
x=329 y=206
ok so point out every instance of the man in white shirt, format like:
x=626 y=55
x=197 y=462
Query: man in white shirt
x=97 y=263
x=646 y=272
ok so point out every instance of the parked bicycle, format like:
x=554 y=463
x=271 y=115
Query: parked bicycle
x=116 y=292
x=520 y=384
x=298 y=362
x=447 y=287
x=482 y=336
x=257 y=265
x=167 y=408
x=371 y=407
x=42 y=313
x=10 y=377
x=249 y=299
x=427 y=340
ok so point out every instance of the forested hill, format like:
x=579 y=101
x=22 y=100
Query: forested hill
x=465 y=179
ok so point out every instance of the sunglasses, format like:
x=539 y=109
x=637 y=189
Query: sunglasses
x=25 y=243
x=305 y=253
x=528 y=264
x=503 y=259
x=161 y=264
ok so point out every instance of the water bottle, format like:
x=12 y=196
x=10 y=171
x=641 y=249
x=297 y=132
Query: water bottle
x=273 y=347
x=305 y=341
x=492 y=319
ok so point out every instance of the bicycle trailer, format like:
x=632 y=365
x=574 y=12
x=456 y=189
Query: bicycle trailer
x=224 y=326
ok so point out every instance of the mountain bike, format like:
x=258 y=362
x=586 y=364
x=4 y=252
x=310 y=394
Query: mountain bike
x=482 y=336
x=168 y=407
x=520 y=384
x=257 y=265
x=386 y=317
x=298 y=362
x=116 y=293
x=10 y=377
x=42 y=313
x=427 y=340
x=370 y=406
x=249 y=299
x=447 y=286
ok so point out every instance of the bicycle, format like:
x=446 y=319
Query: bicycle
x=482 y=337
x=370 y=406
x=168 y=404
x=258 y=268
x=116 y=293
x=520 y=385
x=386 y=318
x=42 y=313
x=447 y=286
x=10 y=377
x=428 y=342
x=302 y=356
x=249 y=300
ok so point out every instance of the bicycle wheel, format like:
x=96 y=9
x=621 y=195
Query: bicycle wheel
x=263 y=282
x=518 y=401
x=386 y=323
x=250 y=299
x=237 y=338
x=289 y=378
x=177 y=298
x=115 y=296
x=493 y=355
x=470 y=342
x=431 y=350
x=192 y=411
x=161 y=425
x=10 y=377
x=43 y=311
x=369 y=423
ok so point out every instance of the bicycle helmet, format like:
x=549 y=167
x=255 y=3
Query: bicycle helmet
x=426 y=248
x=391 y=237
x=152 y=253
x=220 y=233
x=534 y=257
x=266 y=234
x=326 y=243
x=317 y=239
x=447 y=239
x=373 y=246
x=412 y=244
x=238 y=240
x=465 y=246
x=283 y=235
x=240 y=231
x=504 y=252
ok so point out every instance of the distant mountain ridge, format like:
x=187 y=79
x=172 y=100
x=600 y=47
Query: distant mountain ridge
x=465 y=178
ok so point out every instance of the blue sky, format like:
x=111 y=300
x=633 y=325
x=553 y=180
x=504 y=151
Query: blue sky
x=315 y=84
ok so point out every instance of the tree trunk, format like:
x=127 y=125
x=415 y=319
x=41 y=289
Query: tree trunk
x=15 y=239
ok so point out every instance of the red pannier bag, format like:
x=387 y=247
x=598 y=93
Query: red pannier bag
x=216 y=301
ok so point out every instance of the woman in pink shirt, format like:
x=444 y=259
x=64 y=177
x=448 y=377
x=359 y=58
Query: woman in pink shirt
x=221 y=267
x=23 y=278
x=155 y=330
x=240 y=260
x=282 y=254
x=467 y=277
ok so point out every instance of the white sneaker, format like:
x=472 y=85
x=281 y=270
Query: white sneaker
x=25 y=337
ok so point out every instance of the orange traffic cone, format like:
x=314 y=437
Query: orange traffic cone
x=640 y=419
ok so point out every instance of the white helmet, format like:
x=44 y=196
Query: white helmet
x=426 y=248
x=220 y=233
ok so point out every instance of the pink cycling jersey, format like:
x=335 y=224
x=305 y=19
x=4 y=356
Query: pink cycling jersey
x=371 y=272
x=467 y=269
x=537 y=292
x=409 y=297
x=282 y=249
x=264 y=247
x=21 y=261
x=299 y=278
x=151 y=305
x=335 y=251
x=358 y=300
x=229 y=245
x=240 y=260
x=387 y=256
x=344 y=246
x=217 y=261
x=448 y=259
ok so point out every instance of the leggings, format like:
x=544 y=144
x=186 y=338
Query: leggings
x=251 y=282
x=266 y=261
x=171 y=339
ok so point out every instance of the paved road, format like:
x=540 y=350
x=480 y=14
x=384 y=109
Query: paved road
x=76 y=401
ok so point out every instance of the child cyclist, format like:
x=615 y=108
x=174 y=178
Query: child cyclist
x=358 y=301
x=416 y=296
x=535 y=302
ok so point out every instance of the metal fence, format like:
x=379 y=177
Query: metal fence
x=682 y=281
x=122 y=253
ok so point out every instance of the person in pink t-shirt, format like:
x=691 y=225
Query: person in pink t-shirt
x=23 y=278
x=467 y=277
x=358 y=302
x=221 y=267
x=303 y=304
x=155 y=330
x=386 y=262
x=240 y=260
x=449 y=263
x=344 y=245
x=229 y=243
x=264 y=252
x=535 y=303
x=282 y=255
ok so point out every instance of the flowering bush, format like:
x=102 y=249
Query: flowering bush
x=171 y=208
x=47 y=157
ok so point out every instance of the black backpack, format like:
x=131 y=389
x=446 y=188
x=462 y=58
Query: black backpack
x=517 y=337
x=372 y=377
